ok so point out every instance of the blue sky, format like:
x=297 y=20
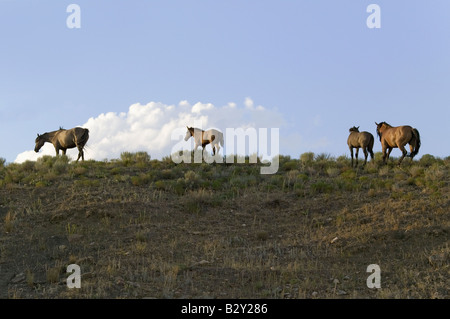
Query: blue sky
x=314 y=67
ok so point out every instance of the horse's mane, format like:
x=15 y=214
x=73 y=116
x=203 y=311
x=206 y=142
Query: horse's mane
x=381 y=123
x=195 y=129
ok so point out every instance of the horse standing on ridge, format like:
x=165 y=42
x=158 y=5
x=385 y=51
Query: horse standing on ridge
x=63 y=139
x=363 y=140
x=203 y=138
x=393 y=137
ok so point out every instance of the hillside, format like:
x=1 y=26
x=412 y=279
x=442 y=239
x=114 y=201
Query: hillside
x=139 y=228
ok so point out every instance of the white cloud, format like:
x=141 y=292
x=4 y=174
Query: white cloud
x=47 y=149
x=149 y=127
x=199 y=107
x=248 y=103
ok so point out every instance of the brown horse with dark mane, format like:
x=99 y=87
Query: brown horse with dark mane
x=363 y=140
x=63 y=139
x=393 y=137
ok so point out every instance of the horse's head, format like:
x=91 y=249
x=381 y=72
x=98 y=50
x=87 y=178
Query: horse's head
x=189 y=133
x=354 y=129
x=39 y=143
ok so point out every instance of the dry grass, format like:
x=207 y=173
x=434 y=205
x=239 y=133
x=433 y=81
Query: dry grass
x=144 y=228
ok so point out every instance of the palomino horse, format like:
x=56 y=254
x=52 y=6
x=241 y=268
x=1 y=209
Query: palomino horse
x=399 y=136
x=358 y=139
x=63 y=139
x=203 y=138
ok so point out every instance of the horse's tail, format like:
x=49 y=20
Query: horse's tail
x=370 y=146
x=417 y=142
x=85 y=136
x=82 y=140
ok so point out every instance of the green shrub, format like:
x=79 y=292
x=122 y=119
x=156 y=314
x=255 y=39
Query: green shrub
x=41 y=184
x=60 y=165
x=168 y=174
x=79 y=170
x=277 y=181
x=435 y=172
x=416 y=171
x=307 y=158
x=378 y=156
x=348 y=174
x=28 y=166
x=343 y=160
x=179 y=187
x=191 y=179
x=427 y=160
x=290 y=165
x=45 y=162
x=140 y=180
x=140 y=159
x=322 y=187
x=160 y=184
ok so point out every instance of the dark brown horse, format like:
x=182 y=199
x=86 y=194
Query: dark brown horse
x=63 y=139
x=363 y=140
x=399 y=136
x=203 y=138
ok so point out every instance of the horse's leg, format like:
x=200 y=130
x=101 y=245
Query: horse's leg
x=389 y=152
x=203 y=150
x=356 y=155
x=218 y=147
x=371 y=154
x=80 y=153
x=351 y=153
x=195 y=149
x=55 y=145
x=366 y=154
x=404 y=152
x=386 y=153
x=411 y=147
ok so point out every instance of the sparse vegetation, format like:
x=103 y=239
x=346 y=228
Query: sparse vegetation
x=139 y=227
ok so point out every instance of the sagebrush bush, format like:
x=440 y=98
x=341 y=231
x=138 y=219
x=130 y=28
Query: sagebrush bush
x=435 y=172
x=191 y=178
x=427 y=160
x=140 y=159
x=60 y=165
x=141 y=179
x=307 y=158
x=322 y=187
x=290 y=165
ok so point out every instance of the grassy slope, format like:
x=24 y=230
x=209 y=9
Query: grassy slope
x=145 y=228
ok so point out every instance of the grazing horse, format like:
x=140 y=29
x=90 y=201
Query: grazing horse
x=203 y=138
x=63 y=139
x=399 y=136
x=358 y=139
